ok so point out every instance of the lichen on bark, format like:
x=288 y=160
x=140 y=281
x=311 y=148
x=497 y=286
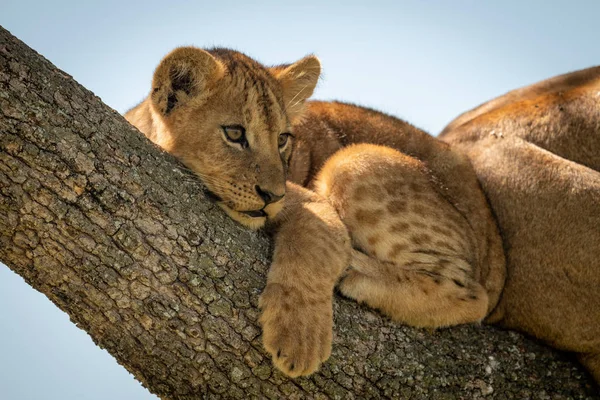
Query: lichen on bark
x=117 y=234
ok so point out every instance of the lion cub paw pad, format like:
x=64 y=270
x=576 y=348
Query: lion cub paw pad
x=297 y=334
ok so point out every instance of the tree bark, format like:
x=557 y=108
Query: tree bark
x=119 y=236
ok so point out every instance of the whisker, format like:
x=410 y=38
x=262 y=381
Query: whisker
x=294 y=98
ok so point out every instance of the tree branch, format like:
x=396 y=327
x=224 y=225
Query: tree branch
x=120 y=237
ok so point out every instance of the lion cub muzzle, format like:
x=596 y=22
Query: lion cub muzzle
x=256 y=219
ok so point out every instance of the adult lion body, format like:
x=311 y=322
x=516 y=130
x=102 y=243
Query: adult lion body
x=536 y=152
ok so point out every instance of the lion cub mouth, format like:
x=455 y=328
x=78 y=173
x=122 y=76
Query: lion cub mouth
x=254 y=219
x=255 y=213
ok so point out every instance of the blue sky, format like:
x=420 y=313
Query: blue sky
x=424 y=61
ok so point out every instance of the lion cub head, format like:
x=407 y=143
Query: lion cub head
x=229 y=119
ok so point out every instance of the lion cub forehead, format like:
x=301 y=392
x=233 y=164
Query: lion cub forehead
x=241 y=67
x=258 y=92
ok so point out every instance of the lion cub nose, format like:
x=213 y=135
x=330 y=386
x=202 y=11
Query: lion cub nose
x=268 y=197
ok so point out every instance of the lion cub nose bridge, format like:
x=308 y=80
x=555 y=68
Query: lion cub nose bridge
x=271 y=185
x=271 y=181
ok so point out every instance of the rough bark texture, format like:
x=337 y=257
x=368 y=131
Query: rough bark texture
x=115 y=234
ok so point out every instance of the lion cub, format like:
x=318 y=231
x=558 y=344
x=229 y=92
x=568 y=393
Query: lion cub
x=403 y=209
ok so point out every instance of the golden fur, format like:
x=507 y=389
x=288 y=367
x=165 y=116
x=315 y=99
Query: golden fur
x=404 y=209
x=408 y=238
x=409 y=217
x=536 y=152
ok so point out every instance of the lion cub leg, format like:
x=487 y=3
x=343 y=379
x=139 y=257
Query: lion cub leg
x=312 y=248
x=416 y=253
x=417 y=291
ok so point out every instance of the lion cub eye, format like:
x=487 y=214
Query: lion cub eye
x=283 y=139
x=236 y=134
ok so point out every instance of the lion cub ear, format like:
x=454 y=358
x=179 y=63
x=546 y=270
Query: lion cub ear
x=185 y=74
x=298 y=81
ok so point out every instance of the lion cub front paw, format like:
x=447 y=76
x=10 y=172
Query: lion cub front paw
x=297 y=329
